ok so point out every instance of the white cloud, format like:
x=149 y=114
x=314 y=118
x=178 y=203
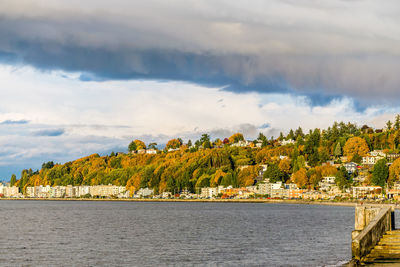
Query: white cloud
x=62 y=118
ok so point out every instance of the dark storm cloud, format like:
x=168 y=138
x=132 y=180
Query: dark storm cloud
x=323 y=49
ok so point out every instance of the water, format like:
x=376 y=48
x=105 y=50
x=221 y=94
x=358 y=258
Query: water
x=88 y=233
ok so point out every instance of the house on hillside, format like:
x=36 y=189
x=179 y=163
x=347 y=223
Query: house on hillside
x=351 y=167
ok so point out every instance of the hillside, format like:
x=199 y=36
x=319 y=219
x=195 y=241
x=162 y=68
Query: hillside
x=233 y=161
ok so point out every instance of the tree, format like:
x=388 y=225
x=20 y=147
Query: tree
x=299 y=133
x=207 y=144
x=132 y=146
x=397 y=122
x=189 y=143
x=48 y=165
x=356 y=158
x=274 y=174
x=394 y=171
x=284 y=166
x=290 y=135
x=389 y=125
x=153 y=145
x=13 y=180
x=173 y=143
x=300 y=178
x=236 y=138
x=261 y=137
x=299 y=163
x=218 y=142
x=204 y=138
x=356 y=145
x=139 y=144
x=380 y=173
x=342 y=178
x=338 y=150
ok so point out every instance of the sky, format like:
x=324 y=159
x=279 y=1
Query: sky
x=84 y=77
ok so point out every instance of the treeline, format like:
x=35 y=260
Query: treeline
x=212 y=163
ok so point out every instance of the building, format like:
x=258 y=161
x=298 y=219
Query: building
x=287 y=142
x=392 y=157
x=151 y=151
x=326 y=183
x=71 y=191
x=144 y=192
x=209 y=192
x=107 y=191
x=371 y=160
x=82 y=190
x=166 y=195
x=295 y=193
x=351 y=167
x=366 y=191
x=314 y=195
x=241 y=143
x=377 y=153
x=58 y=191
x=9 y=191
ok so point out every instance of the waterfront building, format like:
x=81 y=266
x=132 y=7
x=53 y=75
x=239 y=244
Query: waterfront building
x=70 y=191
x=166 y=195
x=208 y=192
x=144 y=192
x=9 y=191
x=295 y=193
x=82 y=190
x=107 y=191
x=366 y=191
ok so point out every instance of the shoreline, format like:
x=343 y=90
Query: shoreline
x=266 y=201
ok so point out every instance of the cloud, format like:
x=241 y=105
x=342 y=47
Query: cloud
x=8 y=122
x=324 y=50
x=49 y=132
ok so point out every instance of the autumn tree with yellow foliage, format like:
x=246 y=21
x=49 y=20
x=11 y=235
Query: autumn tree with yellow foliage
x=355 y=146
x=173 y=143
x=394 y=171
x=300 y=178
x=236 y=138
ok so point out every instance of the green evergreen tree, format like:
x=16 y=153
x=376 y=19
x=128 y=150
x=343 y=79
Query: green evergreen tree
x=338 y=150
x=380 y=173
x=13 y=180
x=397 y=122
x=342 y=178
x=389 y=125
x=274 y=174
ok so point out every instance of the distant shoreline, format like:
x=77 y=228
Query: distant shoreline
x=267 y=201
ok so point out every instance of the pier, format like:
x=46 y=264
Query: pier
x=375 y=241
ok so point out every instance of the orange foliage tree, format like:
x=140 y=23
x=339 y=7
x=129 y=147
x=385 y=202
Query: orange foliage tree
x=236 y=138
x=394 y=171
x=300 y=178
x=355 y=146
x=173 y=143
x=284 y=166
x=247 y=175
